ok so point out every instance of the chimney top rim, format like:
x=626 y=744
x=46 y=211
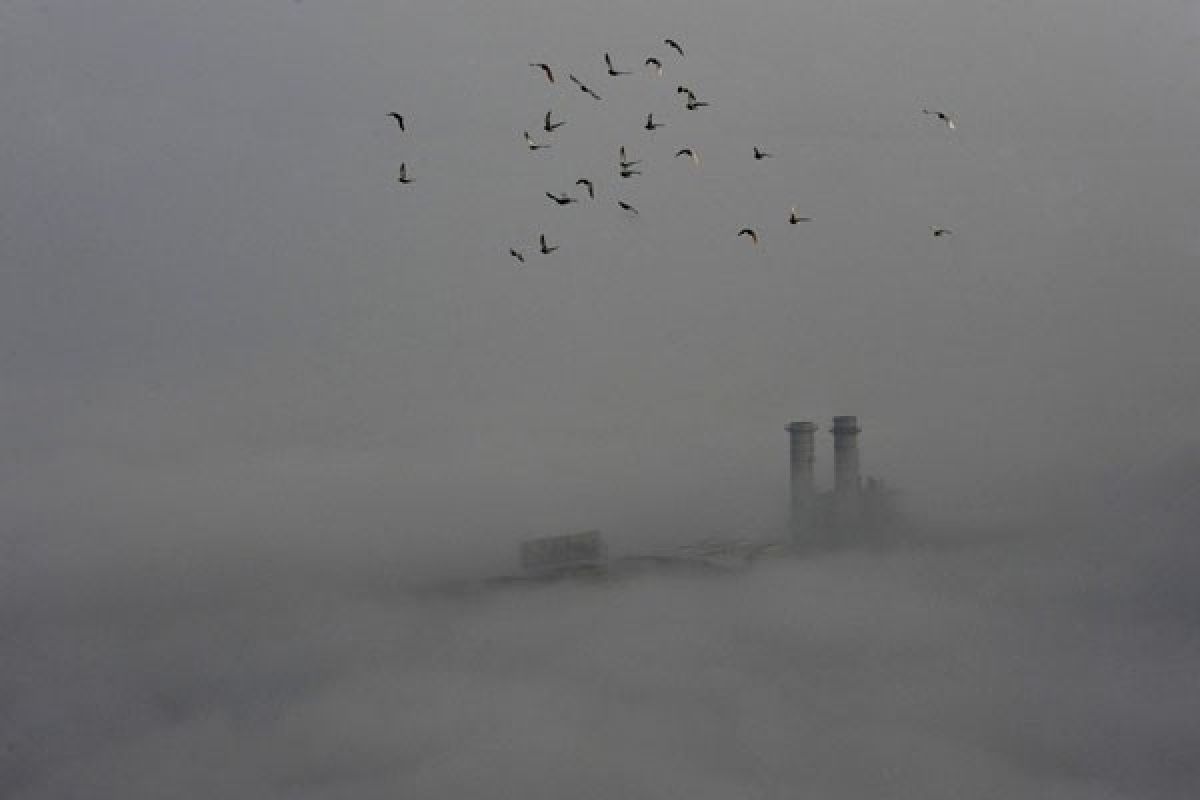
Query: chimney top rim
x=845 y=424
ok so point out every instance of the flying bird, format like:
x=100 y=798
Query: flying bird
x=749 y=232
x=399 y=119
x=693 y=103
x=566 y=199
x=517 y=254
x=612 y=70
x=939 y=232
x=551 y=127
x=627 y=207
x=690 y=153
x=651 y=124
x=759 y=155
x=547 y=249
x=546 y=69
x=942 y=115
x=583 y=87
x=625 y=162
x=532 y=144
x=591 y=189
x=674 y=44
x=629 y=173
x=654 y=62
x=403 y=176
x=794 y=219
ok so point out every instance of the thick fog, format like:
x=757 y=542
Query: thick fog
x=1055 y=661
x=269 y=416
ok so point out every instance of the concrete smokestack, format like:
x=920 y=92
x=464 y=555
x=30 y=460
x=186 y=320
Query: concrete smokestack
x=845 y=456
x=802 y=453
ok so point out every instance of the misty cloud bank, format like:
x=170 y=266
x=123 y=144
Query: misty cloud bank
x=259 y=408
x=1056 y=660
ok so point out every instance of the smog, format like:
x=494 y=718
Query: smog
x=599 y=400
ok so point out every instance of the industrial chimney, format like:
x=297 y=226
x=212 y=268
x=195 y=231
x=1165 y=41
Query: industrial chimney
x=802 y=453
x=845 y=455
x=845 y=468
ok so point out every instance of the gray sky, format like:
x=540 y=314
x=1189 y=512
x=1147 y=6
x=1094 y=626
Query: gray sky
x=231 y=339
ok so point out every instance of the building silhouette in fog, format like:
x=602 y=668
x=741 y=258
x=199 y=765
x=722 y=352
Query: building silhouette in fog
x=854 y=512
x=853 y=509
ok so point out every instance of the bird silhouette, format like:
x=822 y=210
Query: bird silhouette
x=546 y=69
x=611 y=69
x=517 y=254
x=673 y=44
x=749 y=232
x=690 y=153
x=942 y=115
x=794 y=219
x=625 y=162
x=583 y=87
x=532 y=144
x=546 y=249
x=551 y=127
x=403 y=176
x=399 y=119
x=654 y=62
x=692 y=103
x=939 y=232
x=628 y=207
x=565 y=199
x=591 y=189
x=629 y=173
x=759 y=155
x=651 y=124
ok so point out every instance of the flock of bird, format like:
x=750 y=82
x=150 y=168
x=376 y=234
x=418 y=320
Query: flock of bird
x=627 y=167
